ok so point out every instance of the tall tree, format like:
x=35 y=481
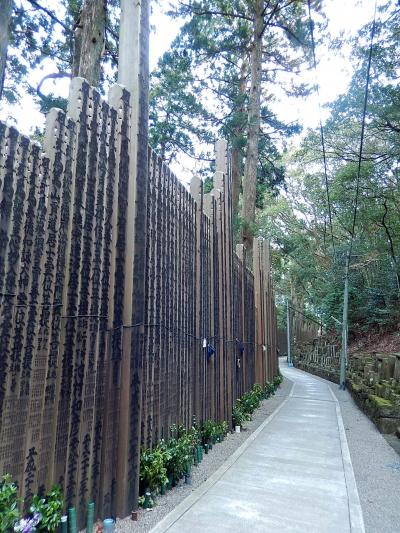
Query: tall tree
x=298 y=223
x=80 y=37
x=89 y=41
x=253 y=128
x=221 y=41
x=5 y=20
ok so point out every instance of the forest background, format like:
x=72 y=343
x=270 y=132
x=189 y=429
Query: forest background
x=266 y=75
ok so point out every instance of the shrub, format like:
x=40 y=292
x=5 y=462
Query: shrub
x=9 y=512
x=50 y=509
x=269 y=389
x=180 y=448
x=277 y=380
x=239 y=415
x=208 y=430
x=153 y=472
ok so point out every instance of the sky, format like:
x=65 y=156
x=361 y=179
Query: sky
x=333 y=73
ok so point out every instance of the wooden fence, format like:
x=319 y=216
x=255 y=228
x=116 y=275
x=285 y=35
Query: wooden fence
x=81 y=386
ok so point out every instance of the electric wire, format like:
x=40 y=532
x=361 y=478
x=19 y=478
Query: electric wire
x=343 y=357
x=367 y=83
x=321 y=128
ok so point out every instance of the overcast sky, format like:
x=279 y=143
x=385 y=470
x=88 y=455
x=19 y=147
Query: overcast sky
x=334 y=72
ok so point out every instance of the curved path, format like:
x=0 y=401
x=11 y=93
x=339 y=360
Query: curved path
x=293 y=474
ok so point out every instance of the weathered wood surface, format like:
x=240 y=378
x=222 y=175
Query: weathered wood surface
x=123 y=307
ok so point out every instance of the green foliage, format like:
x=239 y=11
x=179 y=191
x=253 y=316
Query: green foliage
x=200 y=89
x=45 y=512
x=213 y=431
x=153 y=472
x=239 y=417
x=208 y=430
x=40 y=33
x=50 y=509
x=9 y=512
x=208 y=185
x=305 y=265
x=245 y=406
x=179 y=451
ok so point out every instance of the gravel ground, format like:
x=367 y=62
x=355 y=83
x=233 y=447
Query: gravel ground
x=211 y=462
x=376 y=467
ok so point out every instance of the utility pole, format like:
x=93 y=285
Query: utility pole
x=289 y=351
x=343 y=353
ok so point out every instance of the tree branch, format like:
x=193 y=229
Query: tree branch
x=53 y=76
x=49 y=13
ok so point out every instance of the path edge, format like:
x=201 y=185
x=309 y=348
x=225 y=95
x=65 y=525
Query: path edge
x=355 y=508
x=174 y=515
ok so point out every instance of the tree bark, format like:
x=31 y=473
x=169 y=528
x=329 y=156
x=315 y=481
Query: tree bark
x=5 y=19
x=236 y=157
x=391 y=245
x=253 y=129
x=89 y=41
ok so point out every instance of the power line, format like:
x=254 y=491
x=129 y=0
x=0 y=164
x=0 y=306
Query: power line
x=363 y=129
x=311 y=23
x=343 y=355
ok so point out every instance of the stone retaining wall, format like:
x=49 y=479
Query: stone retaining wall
x=373 y=379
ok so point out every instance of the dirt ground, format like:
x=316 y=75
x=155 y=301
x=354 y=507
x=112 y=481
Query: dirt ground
x=388 y=342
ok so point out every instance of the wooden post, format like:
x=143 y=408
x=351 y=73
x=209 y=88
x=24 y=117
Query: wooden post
x=134 y=74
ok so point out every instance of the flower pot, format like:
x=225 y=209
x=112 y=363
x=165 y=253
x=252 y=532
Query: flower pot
x=64 y=524
x=109 y=523
x=199 y=453
x=237 y=429
x=147 y=504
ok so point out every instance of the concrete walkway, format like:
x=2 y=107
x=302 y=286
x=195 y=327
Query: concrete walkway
x=294 y=474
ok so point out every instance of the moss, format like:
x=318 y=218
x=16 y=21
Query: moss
x=356 y=387
x=379 y=402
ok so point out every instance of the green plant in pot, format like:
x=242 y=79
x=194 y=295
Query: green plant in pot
x=224 y=427
x=238 y=416
x=153 y=472
x=9 y=513
x=179 y=454
x=207 y=431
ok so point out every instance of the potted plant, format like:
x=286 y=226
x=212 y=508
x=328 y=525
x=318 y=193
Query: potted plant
x=153 y=472
x=237 y=417
x=207 y=432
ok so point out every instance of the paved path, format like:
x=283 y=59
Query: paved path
x=293 y=474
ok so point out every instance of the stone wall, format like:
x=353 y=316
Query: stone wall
x=374 y=382
x=373 y=379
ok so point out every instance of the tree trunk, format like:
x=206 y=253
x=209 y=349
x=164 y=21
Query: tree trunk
x=5 y=19
x=253 y=129
x=89 y=41
x=236 y=162
x=237 y=158
x=391 y=245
